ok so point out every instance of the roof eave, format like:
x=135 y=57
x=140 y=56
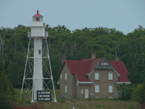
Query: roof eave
x=37 y=15
x=85 y=82
x=117 y=83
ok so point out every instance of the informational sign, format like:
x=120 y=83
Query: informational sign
x=43 y=95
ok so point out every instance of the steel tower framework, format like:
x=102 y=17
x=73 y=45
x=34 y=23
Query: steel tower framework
x=37 y=72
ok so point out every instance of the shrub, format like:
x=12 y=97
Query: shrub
x=138 y=93
x=131 y=106
x=117 y=99
x=135 y=93
x=124 y=91
x=100 y=105
x=141 y=106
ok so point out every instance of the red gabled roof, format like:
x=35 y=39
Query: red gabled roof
x=86 y=66
x=121 y=69
x=37 y=15
x=82 y=67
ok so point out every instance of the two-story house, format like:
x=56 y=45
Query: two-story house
x=92 y=78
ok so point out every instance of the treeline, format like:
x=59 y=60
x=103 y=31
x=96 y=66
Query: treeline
x=75 y=45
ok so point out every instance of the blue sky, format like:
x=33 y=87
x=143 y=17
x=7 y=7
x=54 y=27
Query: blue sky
x=123 y=15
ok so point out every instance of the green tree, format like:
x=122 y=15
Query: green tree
x=14 y=73
x=142 y=93
x=7 y=92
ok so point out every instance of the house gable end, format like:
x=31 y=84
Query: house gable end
x=104 y=64
x=61 y=69
x=64 y=69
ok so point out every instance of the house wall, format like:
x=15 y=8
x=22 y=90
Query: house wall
x=74 y=86
x=70 y=83
x=83 y=87
x=74 y=91
x=103 y=83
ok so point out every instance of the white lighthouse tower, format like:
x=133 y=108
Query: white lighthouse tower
x=38 y=65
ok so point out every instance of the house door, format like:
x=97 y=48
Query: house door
x=86 y=93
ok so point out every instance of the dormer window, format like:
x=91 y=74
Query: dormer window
x=104 y=63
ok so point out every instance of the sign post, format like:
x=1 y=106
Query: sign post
x=43 y=96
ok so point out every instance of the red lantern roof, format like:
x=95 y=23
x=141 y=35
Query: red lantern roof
x=37 y=15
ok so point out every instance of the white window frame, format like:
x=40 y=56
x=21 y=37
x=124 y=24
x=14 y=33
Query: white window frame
x=97 y=96
x=65 y=76
x=101 y=63
x=106 y=63
x=97 y=76
x=110 y=97
x=110 y=88
x=109 y=76
x=65 y=89
x=81 y=91
x=60 y=76
x=97 y=89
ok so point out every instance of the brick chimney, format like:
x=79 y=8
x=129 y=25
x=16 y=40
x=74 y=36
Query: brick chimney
x=63 y=58
x=117 y=59
x=93 y=55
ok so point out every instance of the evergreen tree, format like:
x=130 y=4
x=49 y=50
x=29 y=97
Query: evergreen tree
x=6 y=92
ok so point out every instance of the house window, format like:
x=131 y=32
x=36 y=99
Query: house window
x=101 y=63
x=110 y=76
x=96 y=96
x=60 y=76
x=96 y=88
x=110 y=97
x=106 y=63
x=65 y=89
x=65 y=76
x=110 y=89
x=96 y=76
x=81 y=91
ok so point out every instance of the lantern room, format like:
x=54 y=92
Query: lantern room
x=38 y=28
x=37 y=19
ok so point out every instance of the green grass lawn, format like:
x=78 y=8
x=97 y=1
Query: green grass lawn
x=99 y=103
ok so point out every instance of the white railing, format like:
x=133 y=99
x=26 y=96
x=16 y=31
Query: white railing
x=40 y=23
x=44 y=35
x=29 y=34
